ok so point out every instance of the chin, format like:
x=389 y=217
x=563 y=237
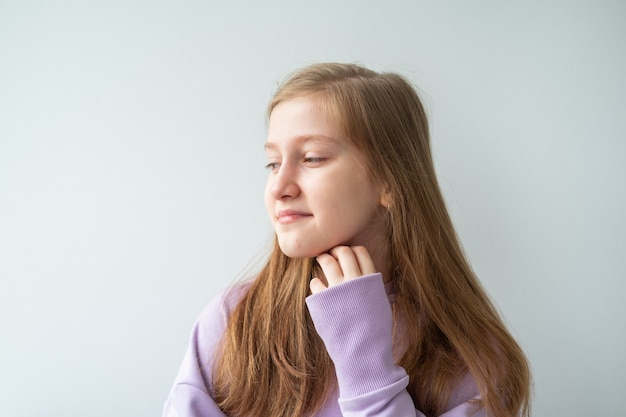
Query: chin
x=297 y=251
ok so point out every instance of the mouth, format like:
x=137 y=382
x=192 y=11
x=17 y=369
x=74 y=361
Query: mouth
x=290 y=216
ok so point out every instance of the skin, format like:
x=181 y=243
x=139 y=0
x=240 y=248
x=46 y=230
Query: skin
x=319 y=197
x=341 y=264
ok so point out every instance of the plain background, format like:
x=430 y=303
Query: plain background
x=131 y=177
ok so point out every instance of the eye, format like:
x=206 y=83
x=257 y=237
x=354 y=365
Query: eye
x=313 y=160
x=272 y=166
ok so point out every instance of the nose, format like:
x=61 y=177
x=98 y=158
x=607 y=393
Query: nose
x=283 y=183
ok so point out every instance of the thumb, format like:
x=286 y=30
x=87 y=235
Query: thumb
x=317 y=285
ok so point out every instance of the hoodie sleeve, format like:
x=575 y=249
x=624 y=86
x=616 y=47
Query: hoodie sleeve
x=355 y=322
x=191 y=394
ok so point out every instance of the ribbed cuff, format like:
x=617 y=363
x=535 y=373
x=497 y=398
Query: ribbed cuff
x=355 y=322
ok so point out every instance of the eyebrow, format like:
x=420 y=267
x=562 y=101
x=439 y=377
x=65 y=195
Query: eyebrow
x=306 y=139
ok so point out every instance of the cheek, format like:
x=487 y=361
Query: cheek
x=360 y=207
x=269 y=203
x=355 y=196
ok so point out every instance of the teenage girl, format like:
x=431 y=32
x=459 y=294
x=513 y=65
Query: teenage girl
x=367 y=305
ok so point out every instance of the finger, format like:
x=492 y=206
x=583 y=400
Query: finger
x=366 y=263
x=331 y=269
x=347 y=261
x=316 y=285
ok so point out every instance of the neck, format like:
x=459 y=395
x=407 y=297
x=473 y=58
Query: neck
x=382 y=261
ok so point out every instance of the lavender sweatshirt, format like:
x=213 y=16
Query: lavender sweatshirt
x=355 y=322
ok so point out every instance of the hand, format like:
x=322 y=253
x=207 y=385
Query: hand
x=341 y=264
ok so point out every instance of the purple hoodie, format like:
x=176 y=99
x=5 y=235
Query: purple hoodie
x=354 y=320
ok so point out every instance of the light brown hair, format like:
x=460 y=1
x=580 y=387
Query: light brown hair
x=272 y=361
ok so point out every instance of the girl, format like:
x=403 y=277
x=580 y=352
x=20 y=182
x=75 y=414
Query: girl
x=367 y=305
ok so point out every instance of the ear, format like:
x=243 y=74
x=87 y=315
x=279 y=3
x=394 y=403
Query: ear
x=386 y=199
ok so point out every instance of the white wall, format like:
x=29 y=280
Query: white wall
x=131 y=177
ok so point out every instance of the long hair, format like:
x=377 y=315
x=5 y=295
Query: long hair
x=273 y=362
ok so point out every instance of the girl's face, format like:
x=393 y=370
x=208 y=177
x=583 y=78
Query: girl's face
x=318 y=194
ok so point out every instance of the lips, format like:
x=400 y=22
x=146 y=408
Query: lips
x=290 y=216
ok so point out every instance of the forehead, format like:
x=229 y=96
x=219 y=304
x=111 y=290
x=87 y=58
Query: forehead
x=303 y=119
